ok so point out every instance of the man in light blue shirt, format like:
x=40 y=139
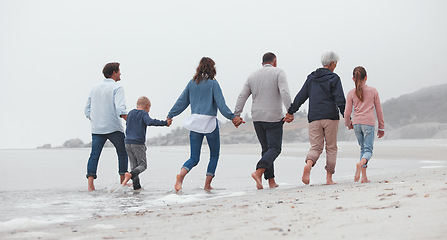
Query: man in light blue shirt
x=105 y=107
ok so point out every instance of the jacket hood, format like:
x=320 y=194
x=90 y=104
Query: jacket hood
x=322 y=74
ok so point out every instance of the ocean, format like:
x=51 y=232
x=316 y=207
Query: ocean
x=45 y=186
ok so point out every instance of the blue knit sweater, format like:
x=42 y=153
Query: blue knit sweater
x=136 y=125
x=205 y=98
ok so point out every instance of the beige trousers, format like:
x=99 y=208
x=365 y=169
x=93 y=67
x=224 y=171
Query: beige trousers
x=319 y=132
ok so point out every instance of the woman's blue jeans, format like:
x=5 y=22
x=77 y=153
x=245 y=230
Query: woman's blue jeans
x=98 y=141
x=365 y=137
x=196 y=140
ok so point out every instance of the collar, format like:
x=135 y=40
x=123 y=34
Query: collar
x=267 y=65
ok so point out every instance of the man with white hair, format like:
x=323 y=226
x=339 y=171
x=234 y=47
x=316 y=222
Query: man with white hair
x=326 y=101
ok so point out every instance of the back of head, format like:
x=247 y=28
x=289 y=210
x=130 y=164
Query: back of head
x=143 y=101
x=359 y=75
x=205 y=70
x=329 y=57
x=268 y=58
x=109 y=68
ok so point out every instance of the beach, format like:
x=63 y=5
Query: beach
x=411 y=205
x=406 y=199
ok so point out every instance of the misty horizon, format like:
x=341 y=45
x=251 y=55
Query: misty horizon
x=53 y=53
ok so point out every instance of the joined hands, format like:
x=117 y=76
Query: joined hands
x=288 y=118
x=237 y=121
x=169 y=120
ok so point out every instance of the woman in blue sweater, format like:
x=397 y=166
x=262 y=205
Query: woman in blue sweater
x=204 y=95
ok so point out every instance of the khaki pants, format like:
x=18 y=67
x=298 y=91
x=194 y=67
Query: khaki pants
x=319 y=132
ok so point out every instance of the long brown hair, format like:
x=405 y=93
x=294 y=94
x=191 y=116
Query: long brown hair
x=359 y=75
x=205 y=70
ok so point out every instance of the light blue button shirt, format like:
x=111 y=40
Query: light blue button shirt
x=104 y=106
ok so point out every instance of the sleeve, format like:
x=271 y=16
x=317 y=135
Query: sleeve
x=284 y=90
x=339 y=96
x=220 y=101
x=153 y=122
x=379 y=111
x=181 y=104
x=348 y=110
x=300 y=98
x=120 y=102
x=242 y=98
x=87 y=107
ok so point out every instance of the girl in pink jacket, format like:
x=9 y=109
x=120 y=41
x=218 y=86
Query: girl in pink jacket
x=363 y=100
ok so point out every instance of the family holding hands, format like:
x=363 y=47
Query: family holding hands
x=269 y=90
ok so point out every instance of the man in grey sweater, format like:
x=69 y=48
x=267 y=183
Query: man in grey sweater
x=269 y=90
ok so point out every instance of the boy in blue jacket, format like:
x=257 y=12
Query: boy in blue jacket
x=137 y=121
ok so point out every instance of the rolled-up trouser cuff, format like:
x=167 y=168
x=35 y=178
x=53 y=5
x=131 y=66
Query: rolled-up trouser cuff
x=91 y=175
x=366 y=164
x=313 y=161
x=187 y=169
x=210 y=174
x=330 y=170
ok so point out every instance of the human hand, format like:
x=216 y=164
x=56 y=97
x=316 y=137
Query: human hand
x=169 y=120
x=350 y=126
x=237 y=121
x=380 y=133
x=288 y=118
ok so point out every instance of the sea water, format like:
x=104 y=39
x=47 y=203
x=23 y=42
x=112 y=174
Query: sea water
x=43 y=186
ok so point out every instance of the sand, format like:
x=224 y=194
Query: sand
x=406 y=205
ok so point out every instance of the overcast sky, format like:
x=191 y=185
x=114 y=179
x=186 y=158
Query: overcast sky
x=52 y=52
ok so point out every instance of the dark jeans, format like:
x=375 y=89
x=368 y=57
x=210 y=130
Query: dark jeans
x=98 y=141
x=270 y=137
x=196 y=140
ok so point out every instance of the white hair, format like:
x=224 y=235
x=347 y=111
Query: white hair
x=329 y=57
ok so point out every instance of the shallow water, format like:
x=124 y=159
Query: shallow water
x=48 y=185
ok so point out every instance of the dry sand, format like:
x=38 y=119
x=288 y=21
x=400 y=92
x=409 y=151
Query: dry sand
x=408 y=205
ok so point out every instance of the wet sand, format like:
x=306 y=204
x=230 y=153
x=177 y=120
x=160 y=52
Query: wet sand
x=409 y=205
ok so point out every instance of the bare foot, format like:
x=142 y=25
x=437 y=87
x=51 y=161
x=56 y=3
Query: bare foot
x=91 y=186
x=127 y=177
x=306 y=174
x=364 y=177
x=178 y=183
x=365 y=180
x=208 y=183
x=357 y=172
x=272 y=183
x=330 y=182
x=258 y=180
x=329 y=179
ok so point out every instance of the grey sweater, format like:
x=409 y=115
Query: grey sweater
x=269 y=89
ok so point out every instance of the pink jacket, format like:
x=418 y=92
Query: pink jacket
x=364 y=111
